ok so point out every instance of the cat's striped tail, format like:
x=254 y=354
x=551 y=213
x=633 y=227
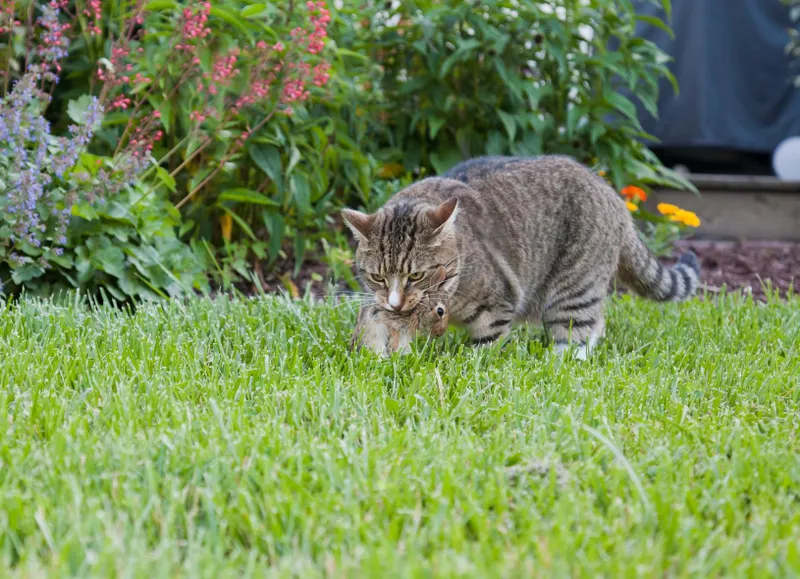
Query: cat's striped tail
x=642 y=272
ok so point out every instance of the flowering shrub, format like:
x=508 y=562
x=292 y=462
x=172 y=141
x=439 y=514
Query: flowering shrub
x=63 y=217
x=237 y=103
x=518 y=77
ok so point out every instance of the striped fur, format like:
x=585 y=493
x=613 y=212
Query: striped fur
x=522 y=240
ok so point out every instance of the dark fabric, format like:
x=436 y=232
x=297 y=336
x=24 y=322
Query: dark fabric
x=735 y=79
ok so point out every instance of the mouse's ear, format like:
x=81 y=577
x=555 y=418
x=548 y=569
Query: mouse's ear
x=438 y=276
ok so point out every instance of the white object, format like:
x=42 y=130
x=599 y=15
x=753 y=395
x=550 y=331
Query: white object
x=786 y=160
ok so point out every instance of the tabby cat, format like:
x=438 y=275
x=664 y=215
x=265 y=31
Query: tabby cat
x=522 y=239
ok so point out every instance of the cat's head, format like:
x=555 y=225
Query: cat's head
x=401 y=248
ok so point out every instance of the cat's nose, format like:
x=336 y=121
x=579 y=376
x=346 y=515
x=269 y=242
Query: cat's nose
x=396 y=300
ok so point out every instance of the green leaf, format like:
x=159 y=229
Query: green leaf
x=166 y=179
x=25 y=273
x=623 y=105
x=268 y=160
x=301 y=193
x=229 y=16
x=573 y=117
x=443 y=161
x=657 y=22
x=597 y=131
x=495 y=143
x=294 y=159
x=667 y=4
x=461 y=53
x=510 y=123
x=434 y=124
x=299 y=252
x=159 y=5
x=85 y=211
x=352 y=54
x=76 y=109
x=253 y=10
x=276 y=228
x=242 y=195
x=106 y=256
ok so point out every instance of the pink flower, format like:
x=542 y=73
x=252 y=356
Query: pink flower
x=321 y=76
x=194 y=25
x=121 y=102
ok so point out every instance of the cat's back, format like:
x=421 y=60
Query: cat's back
x=554 y=177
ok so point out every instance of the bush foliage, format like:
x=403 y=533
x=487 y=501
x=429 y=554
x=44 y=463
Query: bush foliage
x=170 y=142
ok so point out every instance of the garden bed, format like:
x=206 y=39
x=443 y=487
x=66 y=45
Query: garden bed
x=751 y=266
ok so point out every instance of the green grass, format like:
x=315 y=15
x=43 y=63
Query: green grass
x=239 y=438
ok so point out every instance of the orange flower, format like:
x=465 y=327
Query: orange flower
x=632 y=193
x=631 y=206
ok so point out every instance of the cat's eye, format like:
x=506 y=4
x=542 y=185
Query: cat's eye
x=416 y=276
x=376 y=278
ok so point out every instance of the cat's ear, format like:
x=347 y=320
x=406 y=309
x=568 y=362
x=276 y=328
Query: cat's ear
x=359 y=223
x=443 y=217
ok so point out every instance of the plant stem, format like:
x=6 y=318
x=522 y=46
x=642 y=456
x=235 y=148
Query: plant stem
x=224 y=160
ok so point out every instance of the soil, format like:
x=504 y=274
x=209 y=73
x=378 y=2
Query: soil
x=757 y=267
x=753 y=267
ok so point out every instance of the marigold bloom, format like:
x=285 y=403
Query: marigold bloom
x=667 y=209
x=632 y=192
x=686 y=218
x=631 y=206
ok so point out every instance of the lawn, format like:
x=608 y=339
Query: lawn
x=240 y=438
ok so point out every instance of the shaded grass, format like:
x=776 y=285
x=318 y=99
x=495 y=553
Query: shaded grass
x=240 y=438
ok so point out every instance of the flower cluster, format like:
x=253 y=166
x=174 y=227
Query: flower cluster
x=320 y=18
x=53 y=41
x=222 y=73
x=25 y=138
x=633 y=193
x=633 y=196
x=118 y=71
x=195 y=25
x=94 y=12
x=679 y=215
x=7 y=16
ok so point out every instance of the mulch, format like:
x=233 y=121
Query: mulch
x=756 y=267
x=750 y=266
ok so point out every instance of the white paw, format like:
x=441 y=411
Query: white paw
x=580 y=351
